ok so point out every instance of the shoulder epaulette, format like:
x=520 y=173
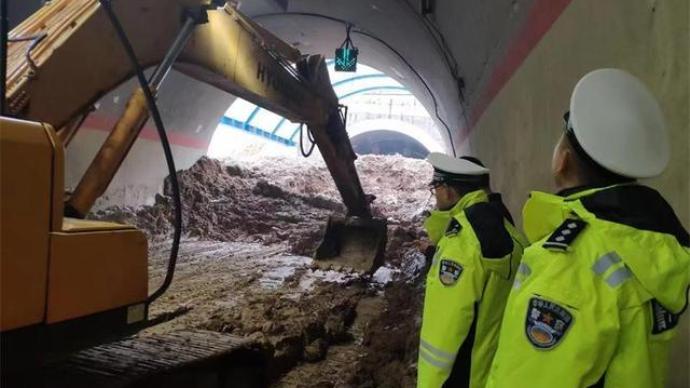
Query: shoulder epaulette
x=488 y=225
x=565 y=235
x=453 y=228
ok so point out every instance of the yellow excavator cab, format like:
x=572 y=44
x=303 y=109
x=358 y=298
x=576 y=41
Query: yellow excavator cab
x=55 y=271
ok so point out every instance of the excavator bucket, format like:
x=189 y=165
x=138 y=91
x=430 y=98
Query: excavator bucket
x=357 y=241
x=353 y=242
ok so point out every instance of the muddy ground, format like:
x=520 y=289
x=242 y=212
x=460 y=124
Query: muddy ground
x=244 y=268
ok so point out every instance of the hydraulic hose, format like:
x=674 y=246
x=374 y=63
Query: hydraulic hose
x=312 y=142
x=155 y=114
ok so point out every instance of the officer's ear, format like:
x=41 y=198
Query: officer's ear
x=562 y=160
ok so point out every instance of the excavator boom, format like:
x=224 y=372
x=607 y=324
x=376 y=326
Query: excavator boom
x=225 y=49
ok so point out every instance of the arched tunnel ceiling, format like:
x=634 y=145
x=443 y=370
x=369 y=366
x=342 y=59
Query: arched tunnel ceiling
x=387 y=20
x=455 y=46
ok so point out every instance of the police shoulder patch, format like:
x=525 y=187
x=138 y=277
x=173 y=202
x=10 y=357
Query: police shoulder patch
x=453 y=228
x=565 y=235
x=449 y=272
x=546 y=323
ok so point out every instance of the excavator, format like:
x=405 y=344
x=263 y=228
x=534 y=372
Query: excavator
x=74 y=290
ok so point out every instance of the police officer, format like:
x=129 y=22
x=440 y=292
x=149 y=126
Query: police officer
x=477 y=253
x=599 y=292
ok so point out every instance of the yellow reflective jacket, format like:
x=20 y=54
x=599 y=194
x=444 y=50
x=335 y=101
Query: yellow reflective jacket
x=596 y=300
x=466 y=289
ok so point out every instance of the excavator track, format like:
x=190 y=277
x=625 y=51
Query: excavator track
x=179 y=359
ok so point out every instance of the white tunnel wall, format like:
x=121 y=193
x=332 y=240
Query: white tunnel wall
x=517 y=131
x=190 y=111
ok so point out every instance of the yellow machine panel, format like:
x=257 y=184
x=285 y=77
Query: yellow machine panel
x=26 y=169
x=52 y=268
x=95 y=267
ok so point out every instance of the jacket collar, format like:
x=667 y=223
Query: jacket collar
x=469 y=199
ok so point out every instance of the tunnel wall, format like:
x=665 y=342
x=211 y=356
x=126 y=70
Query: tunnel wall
x=190 y=111
x=518 y=128
x=483 y=28
x=141 y=175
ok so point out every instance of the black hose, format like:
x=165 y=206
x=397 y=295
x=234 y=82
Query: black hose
x=438 y=37
x=35 y=40
x=428 y=89
x=150 y=101
x=343 y=109
x=306 y=154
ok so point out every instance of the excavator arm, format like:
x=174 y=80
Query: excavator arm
x=66 y=56
x=76 y=58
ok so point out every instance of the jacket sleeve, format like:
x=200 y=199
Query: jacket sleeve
x=638 y=357
x=449 y=309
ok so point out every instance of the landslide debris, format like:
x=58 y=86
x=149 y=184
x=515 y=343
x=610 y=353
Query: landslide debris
x=244 y=267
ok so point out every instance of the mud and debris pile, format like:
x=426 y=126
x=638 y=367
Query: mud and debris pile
x=225 y=202
x=244 y=267
x=278 y=200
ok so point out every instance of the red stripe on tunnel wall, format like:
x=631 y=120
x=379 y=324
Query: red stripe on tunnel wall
x=105 y=124
x=541 y=17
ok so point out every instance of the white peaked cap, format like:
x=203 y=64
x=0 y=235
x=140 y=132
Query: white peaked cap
x=449 y=164
x=619 y=124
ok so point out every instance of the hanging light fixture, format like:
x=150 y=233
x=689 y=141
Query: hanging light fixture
x=346 y=54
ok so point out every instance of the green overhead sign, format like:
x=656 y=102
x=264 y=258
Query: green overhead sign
x=346 y=59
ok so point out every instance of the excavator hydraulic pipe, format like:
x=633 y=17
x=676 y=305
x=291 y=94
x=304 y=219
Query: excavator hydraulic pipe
x=336 y=150
x=109 y=158
x=171 y=56
x=357 y=241
x=332 y=139
x=120 y=140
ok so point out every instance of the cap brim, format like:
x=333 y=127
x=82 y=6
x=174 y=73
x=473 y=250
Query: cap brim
x=453 y=165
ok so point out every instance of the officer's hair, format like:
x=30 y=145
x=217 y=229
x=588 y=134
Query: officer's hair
x=591 y=172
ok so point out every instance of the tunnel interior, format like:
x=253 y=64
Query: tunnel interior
x=383 y=142
x=491 y=79
x=373 y=101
